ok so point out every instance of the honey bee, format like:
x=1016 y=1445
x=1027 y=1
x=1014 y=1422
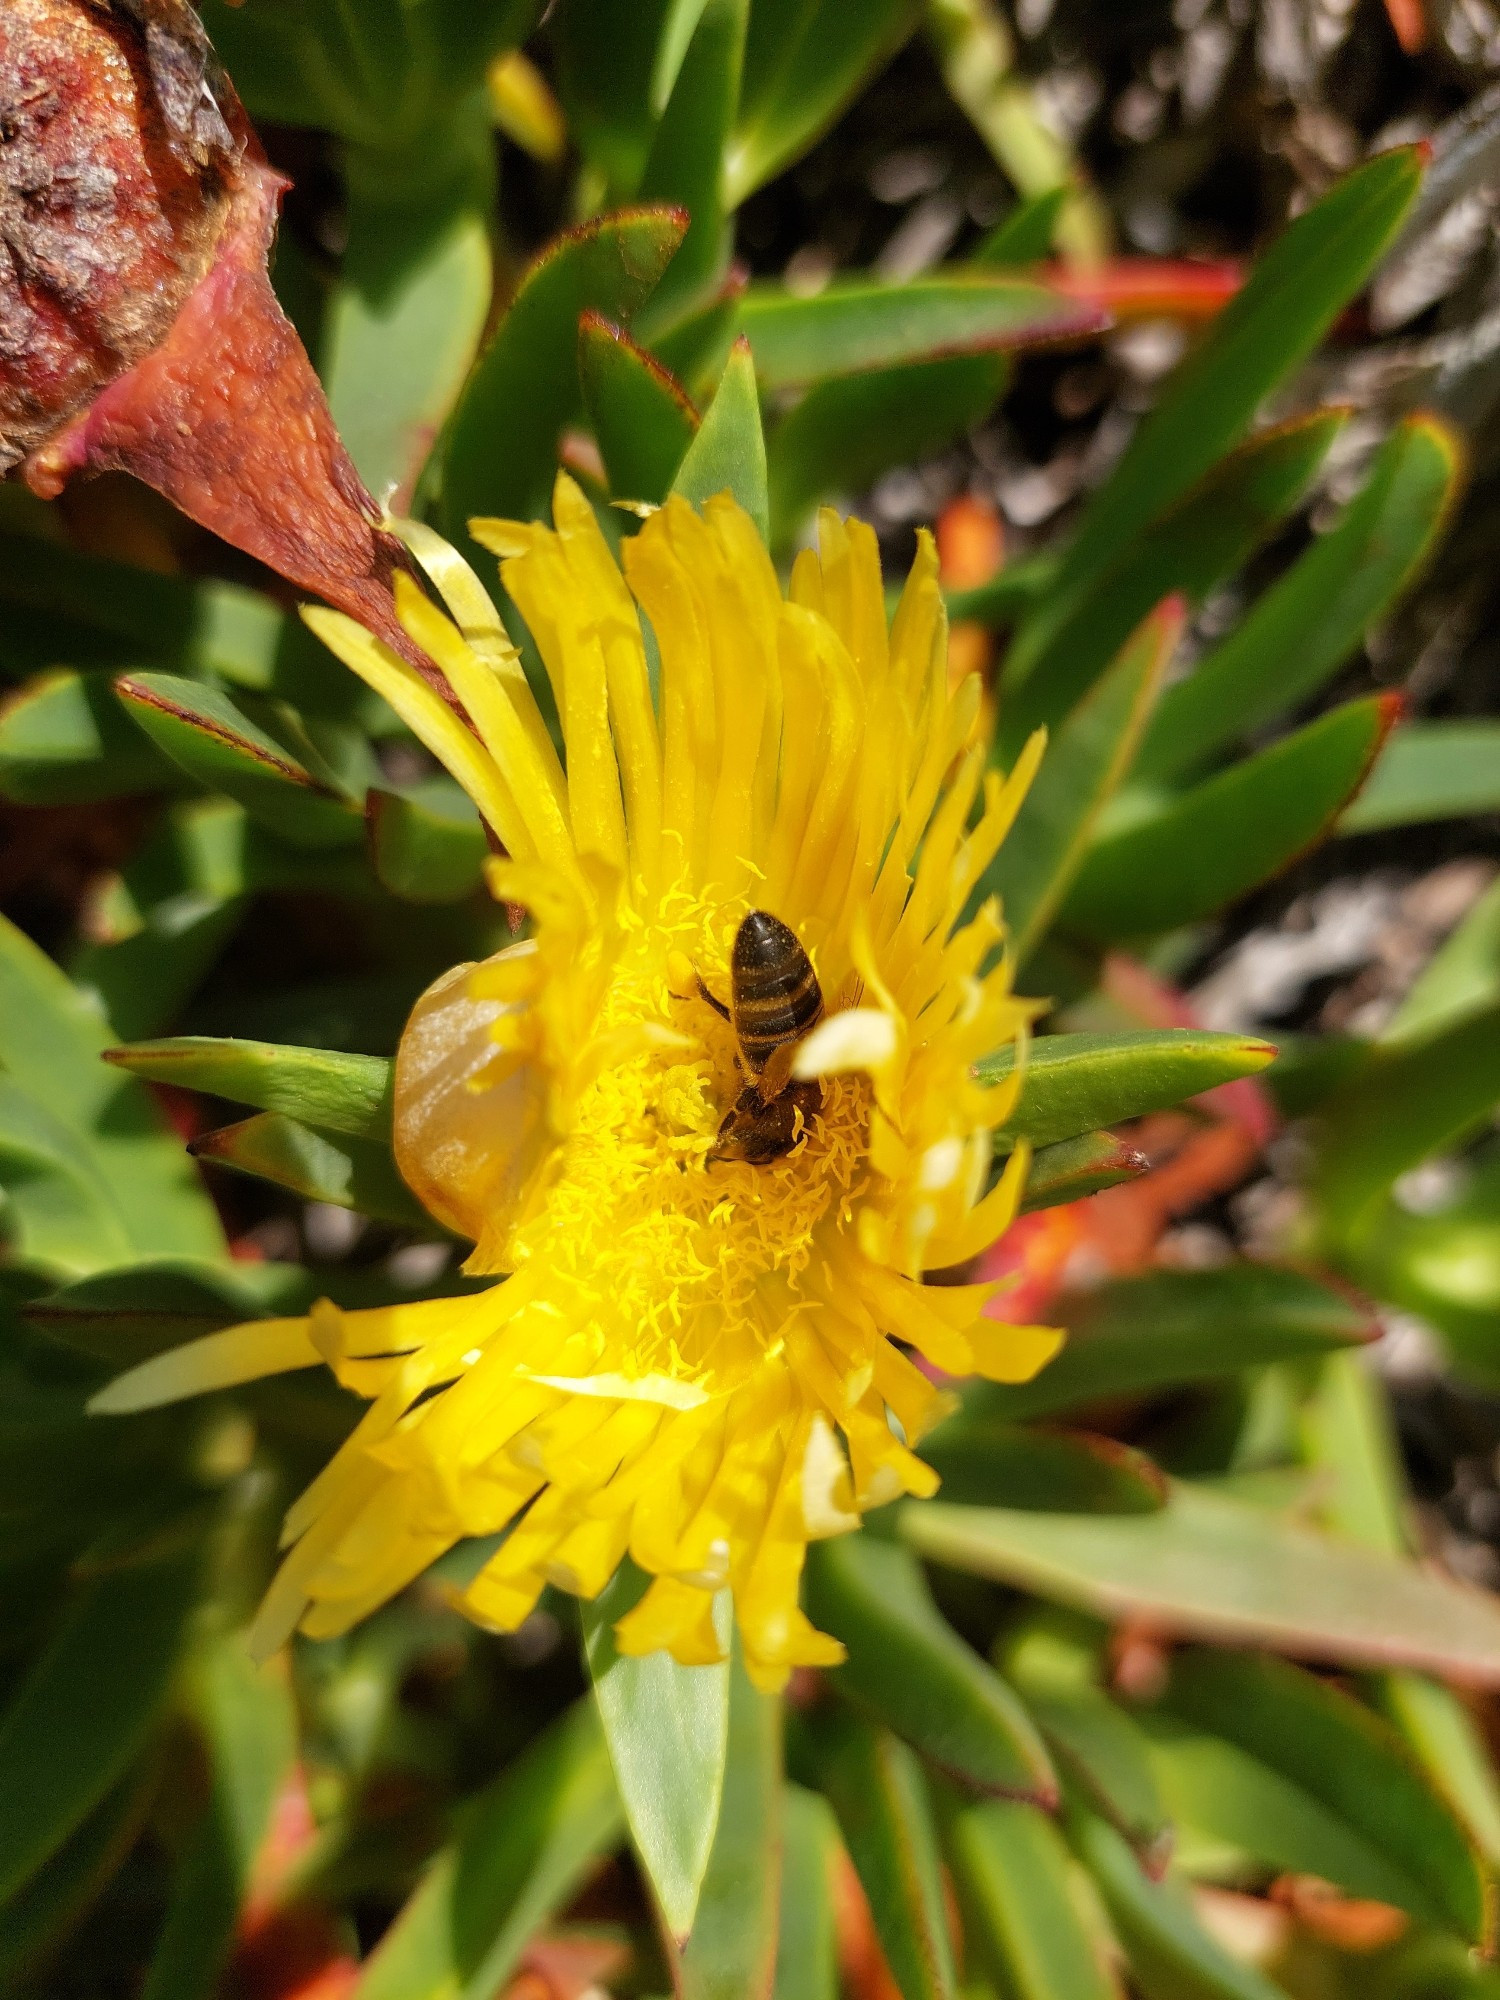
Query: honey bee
x=774 y=1000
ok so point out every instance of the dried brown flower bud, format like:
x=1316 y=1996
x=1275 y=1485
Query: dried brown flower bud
x=138 y=328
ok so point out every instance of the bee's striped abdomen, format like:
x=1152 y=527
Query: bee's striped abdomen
x=774 y=992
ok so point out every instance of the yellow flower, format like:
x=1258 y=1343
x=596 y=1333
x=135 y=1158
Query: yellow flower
x=697 y=1360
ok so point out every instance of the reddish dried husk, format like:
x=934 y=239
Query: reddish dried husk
x=138 y=328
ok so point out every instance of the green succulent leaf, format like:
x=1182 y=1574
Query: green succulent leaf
x=1197 y=542
x=807 y=1940
x=1025 y=235
x=69 y=1732
x=52 y=1036
x=729 y=452
x=1135 y=1335
x=667 y=1727
x=849 y=429
x=613 y=107
x=1170 y=1954
x=1210 y=1567
x=876 y=1787
x=642 y=417
x=1074 y=1168
x=1430 y=771
x=1100 y=1749
x=206 y=735
x=1412 y=1101
x=1077 y=1083
x=528 y=1841
x=500 y=453
x=804 y=61
x=1288 y=303
x=1025 y=1915
x=64 y=740
x=317 y=1165
x=986 y=1462
x=1460 y=978
x=685 y=165
x=322 y=1087
x=1086 y=762
x=428 y=844
x=732 y=1951
x=909 y=1669
x=856 y=324
x=1307 y=624
x=126 y=1315
x=1173 y=861
x=1367 y=1817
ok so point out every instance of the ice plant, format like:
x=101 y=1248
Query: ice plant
x=683 y=1339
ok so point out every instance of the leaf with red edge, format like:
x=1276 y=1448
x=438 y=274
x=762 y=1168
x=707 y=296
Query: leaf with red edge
x=1174 y=861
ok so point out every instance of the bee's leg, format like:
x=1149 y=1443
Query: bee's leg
x=703 y=994
x=777 y=1074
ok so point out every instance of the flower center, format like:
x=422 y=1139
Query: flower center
x=692 y=1263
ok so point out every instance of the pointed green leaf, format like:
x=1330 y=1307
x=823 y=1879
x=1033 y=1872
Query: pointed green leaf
x=318 y=1166
x=1308 y=622
x=986 y=1462
x=1448 y=1740
x=848 y=430
x=1074 y=1168
x=59 y=1211
x=729 y=452
x=69 y=1731
x=428 y=844
x=1461 y=977
x=1025 y=235
x=1076 y=1083
x=732 y=1952
x=686 y=163
x=1025 y=1915
x=1100 y=1749
x=1138 y=1334
x=876 y=1787
x=1188 y=857
x=323 y=1087
x=1372 y=1821
x=1085 y=763
x=53 y=1037
x=807 y=1939
x=909 y=1668
x=65 y=740
x=1291 y=300
x=126 y=1316
x=405 y=320
x=804 y=61
x=1213 y=1568
x=857 y=323
x=641 y=414
x=668 y=1733
x=613 y=107
x=500 y=455
x=527 y=1842
x=1430 y=771
x=1194 y=545
x=1171 y=1956
x=1410 y=1102
x=206 y=735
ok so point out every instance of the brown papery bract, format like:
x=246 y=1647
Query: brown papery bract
x=138 y=328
